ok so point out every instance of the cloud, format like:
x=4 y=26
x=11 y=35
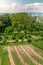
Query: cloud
x=35 y=7
x=16 y=7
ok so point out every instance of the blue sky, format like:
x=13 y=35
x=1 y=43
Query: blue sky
x=28 y=1
x=21 y=6
x=20 y=1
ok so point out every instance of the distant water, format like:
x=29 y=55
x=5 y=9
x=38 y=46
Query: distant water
x=35 y=13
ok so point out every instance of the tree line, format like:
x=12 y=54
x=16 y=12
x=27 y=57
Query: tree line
x=19 y=22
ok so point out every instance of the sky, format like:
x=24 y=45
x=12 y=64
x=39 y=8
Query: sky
x=11 y=6
x=20 y=1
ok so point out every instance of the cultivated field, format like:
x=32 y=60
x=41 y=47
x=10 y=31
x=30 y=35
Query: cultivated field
x=21 y=55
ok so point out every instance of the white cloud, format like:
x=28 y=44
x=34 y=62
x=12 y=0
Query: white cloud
x=16 y=7
x=36 y=7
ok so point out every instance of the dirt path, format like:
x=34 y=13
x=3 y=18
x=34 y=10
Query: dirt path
x=32 y=59
x=10 y=56
x=19 y=55
x=32 y=50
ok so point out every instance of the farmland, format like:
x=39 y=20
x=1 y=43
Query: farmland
x=21 y=55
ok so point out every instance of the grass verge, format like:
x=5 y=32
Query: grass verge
x=5 y=60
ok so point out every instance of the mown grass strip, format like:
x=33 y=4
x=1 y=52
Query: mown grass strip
x=26 y=58
x=5 y=60
x=37 y=59
x=15 y=57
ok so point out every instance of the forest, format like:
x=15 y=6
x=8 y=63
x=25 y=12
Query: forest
x=10 y=23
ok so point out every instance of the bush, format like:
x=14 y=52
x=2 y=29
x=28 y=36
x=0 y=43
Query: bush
x=0 y=38
x=29 y=40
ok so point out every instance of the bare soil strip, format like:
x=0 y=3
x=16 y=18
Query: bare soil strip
x=19 y=55
x=10 y=56
x=35 y=53
x=32 y=59
x=28 y=50
x=21 y=50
